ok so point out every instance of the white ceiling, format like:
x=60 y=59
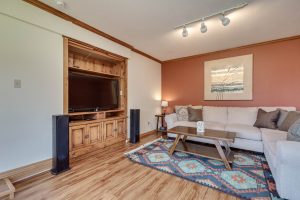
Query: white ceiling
x=148 y=24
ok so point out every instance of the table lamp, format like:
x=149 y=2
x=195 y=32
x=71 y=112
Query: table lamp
x=164 y=105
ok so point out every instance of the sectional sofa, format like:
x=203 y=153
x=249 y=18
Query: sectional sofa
x=283 y=156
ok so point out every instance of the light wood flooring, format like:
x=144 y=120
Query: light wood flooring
x=107 y=174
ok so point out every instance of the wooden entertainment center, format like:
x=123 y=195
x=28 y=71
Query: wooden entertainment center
x=92 y=130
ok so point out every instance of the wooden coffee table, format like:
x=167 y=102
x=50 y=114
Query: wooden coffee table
x=217 y=137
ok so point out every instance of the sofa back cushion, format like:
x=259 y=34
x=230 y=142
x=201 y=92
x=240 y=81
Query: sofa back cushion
x=242 y=115
x=215 y=114
x=269 y=109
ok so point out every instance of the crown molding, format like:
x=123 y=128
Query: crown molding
x=86 y=26
x=235 y=48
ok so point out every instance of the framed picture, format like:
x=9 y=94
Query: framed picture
x=228 y=78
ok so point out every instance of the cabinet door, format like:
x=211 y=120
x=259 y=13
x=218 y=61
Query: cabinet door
x=95 y=132
x=120 y=127
x=109 y=130
x=77 y=137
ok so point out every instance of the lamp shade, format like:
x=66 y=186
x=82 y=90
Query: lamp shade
x=164 y=104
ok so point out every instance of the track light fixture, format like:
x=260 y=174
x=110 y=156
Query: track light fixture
x=185 y=32
x=225 y=20
x=60 y=3
x=203 y=28
x=222 y=15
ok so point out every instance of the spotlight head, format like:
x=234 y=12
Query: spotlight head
x=225 y=20
x=203 y=28
x=60 y=3
x=185 y=33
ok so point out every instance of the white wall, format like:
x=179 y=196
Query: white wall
x=31 y=50
x=144 y=89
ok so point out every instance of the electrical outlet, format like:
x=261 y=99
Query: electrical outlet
x=17 y=83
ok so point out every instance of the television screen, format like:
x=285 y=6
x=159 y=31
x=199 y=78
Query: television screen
x=90 y=93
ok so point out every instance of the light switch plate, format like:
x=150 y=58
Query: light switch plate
x=17 y=83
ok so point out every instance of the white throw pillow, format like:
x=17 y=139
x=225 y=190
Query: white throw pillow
x=182 y=113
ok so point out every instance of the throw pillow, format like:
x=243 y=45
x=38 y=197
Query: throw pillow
x=182 y=113
x=195 y=114
x=294 y=132
x=290 y=119
x=282 y=115
x=266 y=119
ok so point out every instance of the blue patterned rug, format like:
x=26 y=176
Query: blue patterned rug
x=250 y=177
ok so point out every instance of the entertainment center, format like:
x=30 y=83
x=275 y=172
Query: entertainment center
x=95 y=97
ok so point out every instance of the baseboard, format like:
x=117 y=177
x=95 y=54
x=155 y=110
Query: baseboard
x=148 y=133
x=27 y=171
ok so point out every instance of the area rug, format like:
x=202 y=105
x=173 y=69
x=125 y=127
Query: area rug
x=250 y=177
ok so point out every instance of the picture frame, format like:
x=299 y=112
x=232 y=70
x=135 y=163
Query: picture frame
x=229 y=78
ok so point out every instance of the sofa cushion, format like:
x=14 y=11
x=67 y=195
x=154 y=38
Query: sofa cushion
x=267 y=119
x=244 y=131
x=195 y=114
x=215 y=114
x=269 y=109
x=240 y=115
x=272 y=135
x=207 y=125
x=185 y=123
x=214 y=126
x=197 y=106
x=270 y=153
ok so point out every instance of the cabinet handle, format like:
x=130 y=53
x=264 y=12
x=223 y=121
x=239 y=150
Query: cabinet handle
x=86 y=137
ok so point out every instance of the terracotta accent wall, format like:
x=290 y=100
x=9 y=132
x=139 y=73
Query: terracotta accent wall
x=276 y=77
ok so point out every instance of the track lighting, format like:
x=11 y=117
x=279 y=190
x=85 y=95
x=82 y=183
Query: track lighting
x=225 y=20
x=203 y=28
x=60 y=3
x=222 y=15
x=185 y=32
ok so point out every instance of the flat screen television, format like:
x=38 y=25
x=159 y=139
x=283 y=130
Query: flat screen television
x=92 y=93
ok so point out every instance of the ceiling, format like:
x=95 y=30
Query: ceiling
x=148 y=25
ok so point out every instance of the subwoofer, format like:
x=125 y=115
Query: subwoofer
x=134 y=125
x=60 y=144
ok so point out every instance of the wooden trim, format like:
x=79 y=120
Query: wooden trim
x=146 y=55
x=236 y=48
x=77 y=22
x=27 y=171
x=76 y=43
x=65 y=76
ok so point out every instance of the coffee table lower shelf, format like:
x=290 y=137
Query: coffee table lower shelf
x=202 y=150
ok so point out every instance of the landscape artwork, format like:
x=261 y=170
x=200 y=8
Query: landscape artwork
x=229 y=78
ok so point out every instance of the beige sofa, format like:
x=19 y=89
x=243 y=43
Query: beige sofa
x=283 y=156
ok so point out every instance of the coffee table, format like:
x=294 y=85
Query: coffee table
x=217 y=137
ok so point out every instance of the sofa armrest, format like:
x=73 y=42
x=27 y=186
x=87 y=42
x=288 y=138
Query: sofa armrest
x=170 y=120
x=288 y=152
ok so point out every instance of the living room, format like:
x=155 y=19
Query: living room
x=198 y=100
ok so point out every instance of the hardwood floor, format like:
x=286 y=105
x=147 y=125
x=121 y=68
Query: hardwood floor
x=107 y=174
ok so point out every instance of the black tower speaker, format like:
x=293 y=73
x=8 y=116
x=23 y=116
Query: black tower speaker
x=60 y=143
x=134 y=125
